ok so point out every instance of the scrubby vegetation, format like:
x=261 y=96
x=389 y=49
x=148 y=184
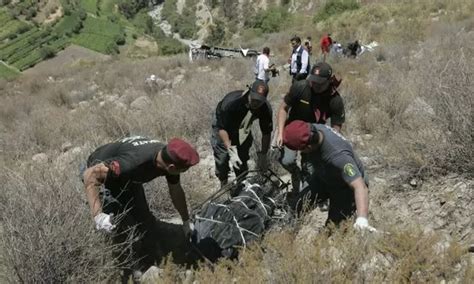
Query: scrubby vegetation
x=334 y=8
x=184 y=23
x=415 y=104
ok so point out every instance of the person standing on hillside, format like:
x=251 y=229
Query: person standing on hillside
x=231 y=136
x=308 y=46
x=338 y=175
x=263 y=67
x=326 y=42
x=299 y=60
x=353 y=49
x=313 y=100
x=114 y=180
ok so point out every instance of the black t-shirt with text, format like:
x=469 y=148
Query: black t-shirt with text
x=130 y=160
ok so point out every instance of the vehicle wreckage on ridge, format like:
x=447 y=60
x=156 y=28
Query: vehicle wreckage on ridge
x=201 y=51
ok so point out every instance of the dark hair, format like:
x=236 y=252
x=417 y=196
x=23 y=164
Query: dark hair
x=296 y=38
x=166 y=156
x=266 y=50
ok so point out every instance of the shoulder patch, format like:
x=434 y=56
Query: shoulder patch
x=349 y=170
x=114 y=166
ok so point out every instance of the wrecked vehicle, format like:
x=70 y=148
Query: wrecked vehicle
x=198 y=51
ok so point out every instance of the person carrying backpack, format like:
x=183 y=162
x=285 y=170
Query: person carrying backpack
x=299 y=60
x=314 y=100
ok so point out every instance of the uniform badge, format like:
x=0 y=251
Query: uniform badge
x=349 y=169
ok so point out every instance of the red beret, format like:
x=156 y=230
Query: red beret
x=181 y=153
x=296 y=135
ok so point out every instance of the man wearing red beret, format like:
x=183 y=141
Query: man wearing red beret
x=339 y=174
x=113 y=185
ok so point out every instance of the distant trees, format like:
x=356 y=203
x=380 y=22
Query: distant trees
x=216 y=33
x=270 y=20
x=130 y=8
x=334 y=7
x=47 y=52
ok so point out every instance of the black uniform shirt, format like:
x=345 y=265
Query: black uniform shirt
x=233 y=108
x=306 y=106
x=131 y=159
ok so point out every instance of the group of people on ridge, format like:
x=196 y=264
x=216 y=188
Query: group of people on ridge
x=115 y=172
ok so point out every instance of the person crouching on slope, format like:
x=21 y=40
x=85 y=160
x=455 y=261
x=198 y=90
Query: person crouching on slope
x=339 y=174
x=114 y=181
x=231 y=136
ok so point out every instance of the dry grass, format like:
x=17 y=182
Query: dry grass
x=47 y=236
x=402 y=256
x=46 y=232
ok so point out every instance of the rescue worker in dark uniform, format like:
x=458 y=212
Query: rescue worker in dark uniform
x=113 y=185
x=231 y=136
x=313 y=100
x=339 y=174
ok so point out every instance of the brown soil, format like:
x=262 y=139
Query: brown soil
x=71 y=56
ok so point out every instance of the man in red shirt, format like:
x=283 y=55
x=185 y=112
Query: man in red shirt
x=326 y=42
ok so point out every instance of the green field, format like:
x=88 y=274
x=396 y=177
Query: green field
x=68 y=25
x=94 y=24
x=7 y=72
x=90 y=6
x=99 y=35
x=107 y=6
x=10 y=26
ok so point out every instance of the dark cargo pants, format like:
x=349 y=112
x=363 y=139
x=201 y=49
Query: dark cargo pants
x=341 y=199
x=136 y=235
x=298 y=175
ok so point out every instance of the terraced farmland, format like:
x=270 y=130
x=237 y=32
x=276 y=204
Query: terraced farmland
x=10 y=26
x=29 y=48
x=93 y=24
x=100 y=35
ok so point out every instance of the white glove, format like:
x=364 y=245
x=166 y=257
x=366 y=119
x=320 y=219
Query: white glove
x=262 y=161
x=188 y=228
x=234 y=157
x=362 y=224
x=102 y=222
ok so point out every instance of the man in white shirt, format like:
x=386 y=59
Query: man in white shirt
x=263 y=67
x=299 y=63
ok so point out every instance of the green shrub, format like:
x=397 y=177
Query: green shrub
x=170 y=46
x=47 y=52
x=119 y=39
x=216 y=33
x=144 y=22
x=130 y=8
x=270 y=20
x=334 y=7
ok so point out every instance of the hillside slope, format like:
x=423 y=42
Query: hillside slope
x=409 y=117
